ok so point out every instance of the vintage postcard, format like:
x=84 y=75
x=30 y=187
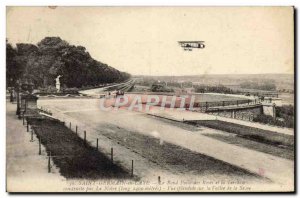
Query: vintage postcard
x=150 y=99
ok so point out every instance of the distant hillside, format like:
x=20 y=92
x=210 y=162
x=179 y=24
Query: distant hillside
x=282 y=81
x=51 y=57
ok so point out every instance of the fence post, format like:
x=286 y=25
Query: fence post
x=206 y=106
x=23 y=119
x=49 y=165
x=40 y=150
x=31 y=136
x=27 y=127
x=237 y=103
x=97 y=143
x=233 y=114
x=223 y=103
x=131 y=168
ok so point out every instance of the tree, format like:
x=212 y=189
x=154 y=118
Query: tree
x=266 y=85
x=52 y=57
x=13 y=71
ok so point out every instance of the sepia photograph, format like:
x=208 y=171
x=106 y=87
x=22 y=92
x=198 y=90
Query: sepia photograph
x=150 y=99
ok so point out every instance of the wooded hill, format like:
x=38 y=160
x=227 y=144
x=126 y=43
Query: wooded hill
x=51 y=57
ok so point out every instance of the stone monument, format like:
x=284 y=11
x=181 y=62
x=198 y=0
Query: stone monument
x=58 y=83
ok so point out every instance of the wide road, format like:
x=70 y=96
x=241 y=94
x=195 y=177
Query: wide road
x=87 y=114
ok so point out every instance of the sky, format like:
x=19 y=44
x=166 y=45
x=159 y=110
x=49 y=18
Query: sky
x=144 y=40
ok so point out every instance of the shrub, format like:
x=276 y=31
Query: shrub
x=160 y=88
x=285 y=110
x=212 y=88
x=266 y=119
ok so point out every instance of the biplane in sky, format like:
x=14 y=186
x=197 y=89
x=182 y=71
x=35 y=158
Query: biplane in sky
x=190 y=45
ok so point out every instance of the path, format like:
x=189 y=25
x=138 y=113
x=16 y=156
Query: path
x=26 y=170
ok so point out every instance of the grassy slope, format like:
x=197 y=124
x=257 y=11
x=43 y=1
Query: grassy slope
x=74 y=158
x=260 y=135
x=172 y=157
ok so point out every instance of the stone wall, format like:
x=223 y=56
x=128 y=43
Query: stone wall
x=242 y=114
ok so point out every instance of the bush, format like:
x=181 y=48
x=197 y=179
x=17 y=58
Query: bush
x=53 y=90
x=160 y=88
x=212 y=88
x=266 y=119
x=49 y=89
x=285 y=110
x=70 y=90
x=270 y=86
